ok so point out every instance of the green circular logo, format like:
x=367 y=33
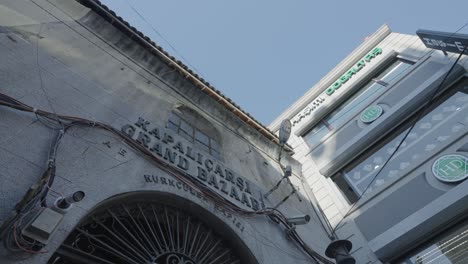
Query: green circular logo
x=451 y=168
x=371 y=113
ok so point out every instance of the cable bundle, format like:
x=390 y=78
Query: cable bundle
x=37 y=194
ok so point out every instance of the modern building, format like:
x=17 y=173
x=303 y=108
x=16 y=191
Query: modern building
x=383 y=143
x=112 y=151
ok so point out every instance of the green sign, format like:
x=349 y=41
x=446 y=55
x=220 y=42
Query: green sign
x=371 y=113
x=451 y=168
x=357 y=67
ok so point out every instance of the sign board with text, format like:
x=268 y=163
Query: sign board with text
x=201 y=167
x=331 y=91
x=451 y=168
x=448 y=42
x=371 y=113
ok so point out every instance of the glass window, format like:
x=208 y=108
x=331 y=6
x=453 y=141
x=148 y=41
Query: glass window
x=174 y=119
x=201 y=140
x=392 y=74
x=215 y=145
x=357 y=102
x=173 y=122
x=363 y=174
x=215 y=154
x=172 y=126
x=186 y=130
x=314 y=136
x=214 y=148
x=201 y=146
x=449 y=248
x=442 y=124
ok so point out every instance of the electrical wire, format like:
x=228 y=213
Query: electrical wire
x=15 y=241
x=39 y=193
x=162 y=37
x=182 y=95
x=419 y=115
x=12 y=105
x=38 y=67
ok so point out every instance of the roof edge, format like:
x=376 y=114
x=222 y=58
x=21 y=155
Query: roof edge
x=204 y=86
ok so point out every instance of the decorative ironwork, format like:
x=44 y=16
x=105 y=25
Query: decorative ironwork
x=144 y=232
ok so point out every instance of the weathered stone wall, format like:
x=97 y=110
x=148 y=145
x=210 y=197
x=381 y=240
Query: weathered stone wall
x=62 y=57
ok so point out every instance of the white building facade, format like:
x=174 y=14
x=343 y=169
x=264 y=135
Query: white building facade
x=383 y=143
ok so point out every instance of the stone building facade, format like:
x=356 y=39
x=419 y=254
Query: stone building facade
x=171 y=170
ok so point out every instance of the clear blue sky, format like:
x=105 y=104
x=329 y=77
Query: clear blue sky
x=265 y=54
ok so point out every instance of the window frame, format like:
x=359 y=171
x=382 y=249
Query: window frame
x=398 y=130
x=213 y=147
x=431 y=240
x=366 y=84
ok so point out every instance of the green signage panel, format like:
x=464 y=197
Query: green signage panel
x=356 y=68
x=451 y=168
x=317 y=103
x=371 y=113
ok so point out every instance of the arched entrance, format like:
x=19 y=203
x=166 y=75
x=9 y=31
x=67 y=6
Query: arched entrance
x=153 y=228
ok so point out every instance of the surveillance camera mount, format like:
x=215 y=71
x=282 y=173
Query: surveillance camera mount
x=65 y=203
x=295 y=221
x=298 y=220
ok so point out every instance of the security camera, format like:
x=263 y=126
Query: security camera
x=65 y=203
x=298 y=220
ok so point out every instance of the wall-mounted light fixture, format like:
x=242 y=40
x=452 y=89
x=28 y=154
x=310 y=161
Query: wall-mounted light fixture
x=339 y=250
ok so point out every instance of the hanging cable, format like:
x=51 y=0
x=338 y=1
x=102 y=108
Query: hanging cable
x=162 y=37
x=37 y=194
x=41 y=82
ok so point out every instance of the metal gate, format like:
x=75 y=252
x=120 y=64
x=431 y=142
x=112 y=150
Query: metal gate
x=142 y=231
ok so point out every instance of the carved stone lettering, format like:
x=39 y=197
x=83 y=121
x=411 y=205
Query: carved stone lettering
x=219 y=170
x=205 y=169
x=156 y=148
x=170 y=155
x=129 y=130
x=213 y=182
x=209 y=165
x=142 y=123
x=234 y=193
x=183 y=163
x=178 y=146
x=245 y=200
x=224 y=188
x=155 y=133
x=202 y=174
x=143 y=139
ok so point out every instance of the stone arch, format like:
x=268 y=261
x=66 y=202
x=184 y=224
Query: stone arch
x=151 y=227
